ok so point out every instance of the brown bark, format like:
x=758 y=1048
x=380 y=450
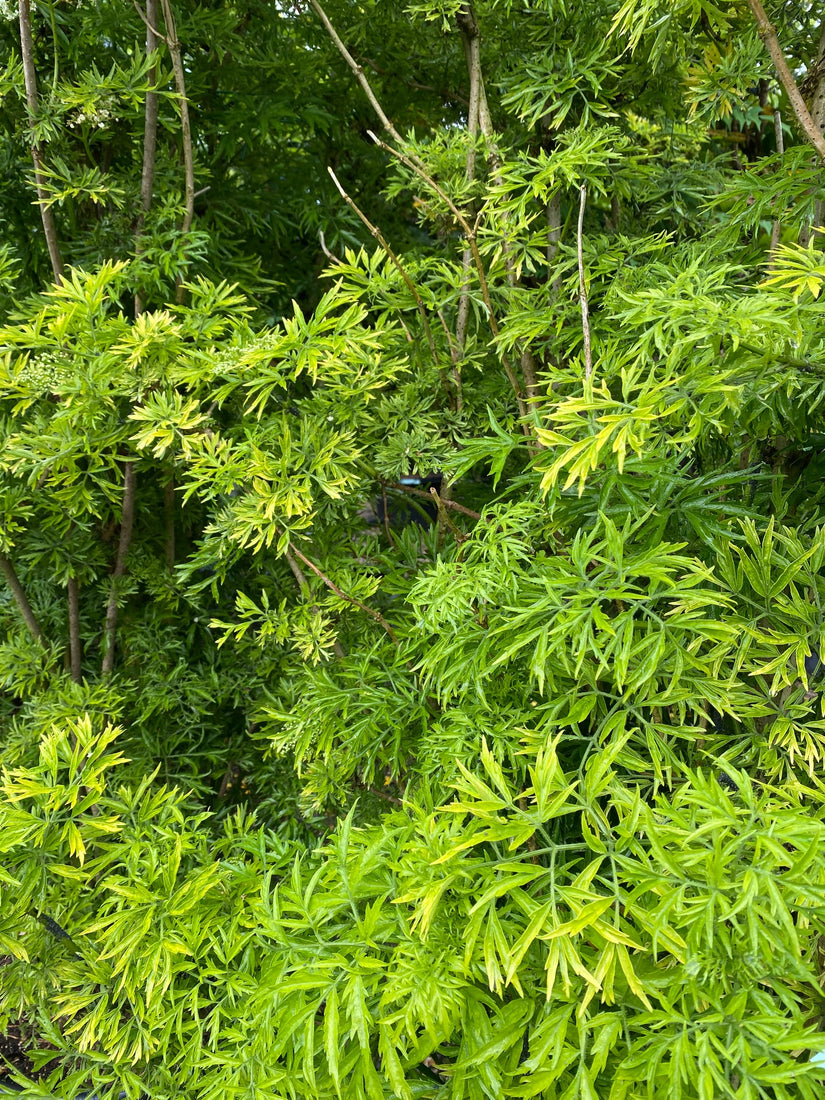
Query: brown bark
x=150 y=134
x=124 y=542
x=767 y=32
x=357 y=69
x=376 y=616
x=468 y=26
x=303 y=585
x=75 y=645
x=816 y=81
x=30 y=78
x=169 y=522
x=185 y=127
x=20 y=598
x=776 y=228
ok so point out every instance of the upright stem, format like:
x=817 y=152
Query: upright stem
x=186 y=131
x=767 y=32
x=124 y=542
x=776 y=228
x=468 y=26
x=554 y=238
x=169 y=522
x=150 y=134
x=588 y=355
x=19 y=595
x=30 y=78
x=75 y=645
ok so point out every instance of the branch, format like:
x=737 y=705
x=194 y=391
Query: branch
x=357 y=69
x=30 y=77
x=588 y=355
x=468 y=26
x=469 y=233
x=376 y=232
x=150 y=26
x=186 y=132
x=169 y=522
x=303 y=585
x=428 y=496
x=415 y=165
x=126 y=523
x=776 y=228
x=75 y=645
x=150 y=130
x=19 y=595
x=767 y=32
x=376 y=616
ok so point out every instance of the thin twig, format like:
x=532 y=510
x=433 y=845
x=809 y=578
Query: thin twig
x=387 y=528
x=126 y=523
x=373 y=614
x=441 y=504
x=554 y=236
x=767 y=32
x=470 y=235
x=303 y=585
x=357 y=69
x=447 y=503
x=454 y=359
x=468 y=25
x=376 y=232
x=415 y=165
x=20 y=598
x=30 y=79
x=588 y=355
x=329 y=255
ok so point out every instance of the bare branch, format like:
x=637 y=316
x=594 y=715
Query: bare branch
x=150 y=130
x=468 y=26
x=126 y=523
x=767 y=32
x=30 y=78
x=357 y=69
x=776 y=228
x=376 y=232
x=169 y=522
x=329 y=255
x=186 y=131
x=447 y=503
x=75 y=646
x=470 y=235
x=376 y=616
x=588 y=355
x=20 y=598
x=303 y=585
x=415 y=165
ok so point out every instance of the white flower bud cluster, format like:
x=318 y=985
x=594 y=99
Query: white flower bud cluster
x=98 y=115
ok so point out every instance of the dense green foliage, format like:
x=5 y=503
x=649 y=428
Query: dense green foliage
x=316 y=783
